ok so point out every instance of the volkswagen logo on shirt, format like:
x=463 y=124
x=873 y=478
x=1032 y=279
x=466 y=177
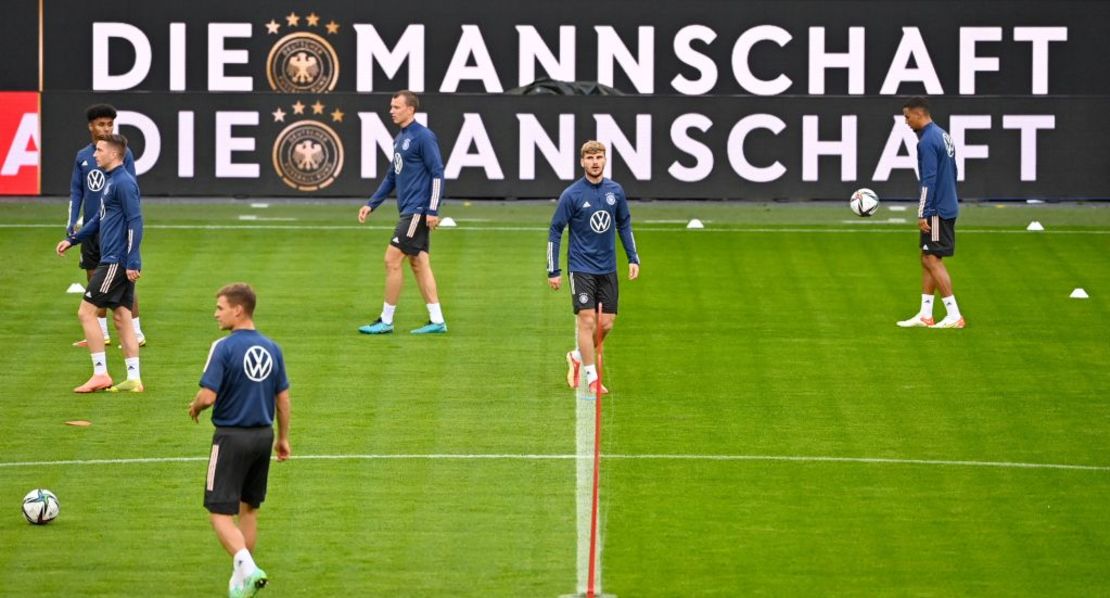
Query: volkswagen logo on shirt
x=398 y=163
x=257 y=363
x=600 y=221
x=95 y=180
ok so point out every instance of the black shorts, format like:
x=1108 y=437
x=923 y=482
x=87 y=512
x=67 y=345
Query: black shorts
x=109 y=287
x=411 y=234
x=587 y=290
x=90 y=253
x=941 y=238
x=238 y=469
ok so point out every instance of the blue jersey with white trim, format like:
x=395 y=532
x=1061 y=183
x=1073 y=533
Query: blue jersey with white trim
x=936 y=166
x=416 y=172
x=595 y=212
x=87 y=184
x=119 y=221
x=246 y=370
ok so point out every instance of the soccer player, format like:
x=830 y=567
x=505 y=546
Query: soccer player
x=120 y=226
x=244 y=381
x=417 y=173
x=591 y=205
x=85 y=188
x=936 y=214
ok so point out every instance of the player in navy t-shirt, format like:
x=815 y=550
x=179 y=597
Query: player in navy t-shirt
x=245 y=382
x=937 y=210
x=596 y=209
x=85 y=188
x=417 y=174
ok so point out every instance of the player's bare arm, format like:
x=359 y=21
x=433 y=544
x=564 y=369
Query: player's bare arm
x=204 y=399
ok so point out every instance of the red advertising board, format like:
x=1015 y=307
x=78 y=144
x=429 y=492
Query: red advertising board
x=20 y=147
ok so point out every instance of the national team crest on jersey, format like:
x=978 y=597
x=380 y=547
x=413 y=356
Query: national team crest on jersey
x=406 y=144
x=610 y=198
x=95 y=180
x=600 y=221
x=257 y=363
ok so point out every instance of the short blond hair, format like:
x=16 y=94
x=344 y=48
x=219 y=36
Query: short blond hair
x=592 y=146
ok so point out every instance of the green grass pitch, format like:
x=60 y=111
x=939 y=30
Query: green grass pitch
x=767 y=339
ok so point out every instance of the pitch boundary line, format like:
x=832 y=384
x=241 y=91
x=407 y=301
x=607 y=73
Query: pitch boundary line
x=569 y=457
x=885 y=230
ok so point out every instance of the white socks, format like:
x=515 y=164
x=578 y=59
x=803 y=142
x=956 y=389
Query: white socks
x=132 y=367
x=100 y=364
x=137 y=327
x=950 y=305
x=435 y=313
x=244 y=566
x=577 y=355
x=103 y=326
x=387 y=313
x=926 y=306
x=591 y=373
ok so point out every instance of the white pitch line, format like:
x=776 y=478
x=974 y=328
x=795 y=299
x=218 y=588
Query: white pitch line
x=557 y=457
x=865 y=230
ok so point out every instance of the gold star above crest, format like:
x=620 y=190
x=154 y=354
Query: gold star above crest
x=298 y=108
x=337 y=116
x=312 y=19
x=317 y=108
x=293 y=19
x=272 y=27
x=279 y=115
x=333 y=27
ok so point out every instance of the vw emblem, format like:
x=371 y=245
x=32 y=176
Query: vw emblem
x=398 y=163
x=257 y=363
x=600 y=221
x=95 y=180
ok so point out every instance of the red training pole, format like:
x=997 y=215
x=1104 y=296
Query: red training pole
x=590 y=587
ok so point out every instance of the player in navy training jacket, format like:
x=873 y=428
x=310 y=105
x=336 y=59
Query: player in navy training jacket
x=596 y=209
x=119 y=224
x=417 y=174
x=937 y=210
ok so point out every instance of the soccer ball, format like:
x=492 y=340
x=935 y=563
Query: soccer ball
x=864 y=202
x=40 y=506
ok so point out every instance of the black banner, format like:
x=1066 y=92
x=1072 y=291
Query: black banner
x=338 y=144
x=19 y=46
x=693 y=47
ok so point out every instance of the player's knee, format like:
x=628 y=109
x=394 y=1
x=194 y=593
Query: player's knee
x=607 y=325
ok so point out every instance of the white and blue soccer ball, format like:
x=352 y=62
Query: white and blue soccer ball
x=864 y=202
x=40 y=506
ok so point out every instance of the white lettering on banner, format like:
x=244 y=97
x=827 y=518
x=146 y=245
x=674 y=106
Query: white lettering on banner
x=24 y=150
x=737 y=157
x=226 y=145
x=369 y=47
x=958 y=126
x=1040 y=37
x=473 y=147
x=218 y=56
x=1028 y=125
x=743 y=72
x=640 y=68
x=901 y=136
x=637 y=156
x=820 y=60
x=152 y=138
x=102 y=34
x=912 y=47
x=471 y=44
x=684 y=51
x=533 y=137
x=812 y=147
x=970 y=62
x=703 y=156
x=473 y=132
x=373 y=132
x=185 y=152
x=532 y=49
x=177 y=56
